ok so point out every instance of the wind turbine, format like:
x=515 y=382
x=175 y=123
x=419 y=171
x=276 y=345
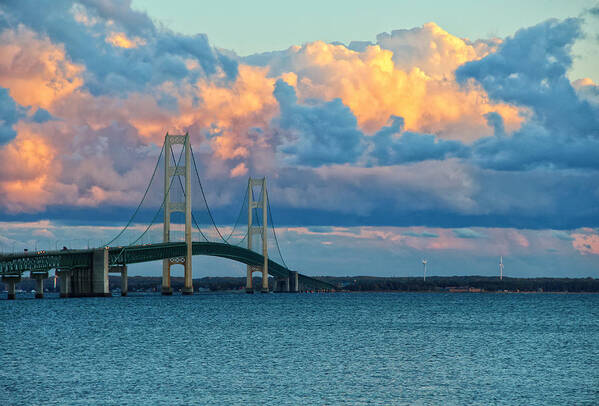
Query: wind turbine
x=424 y=266
x=501 y=268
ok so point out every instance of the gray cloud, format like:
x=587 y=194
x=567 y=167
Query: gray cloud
x=320 y=133
x=10 y=113
x=467 y=233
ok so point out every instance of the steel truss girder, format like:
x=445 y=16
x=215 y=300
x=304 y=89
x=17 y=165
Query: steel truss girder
x=17 y=264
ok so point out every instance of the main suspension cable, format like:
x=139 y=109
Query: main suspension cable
x=184 y=195
x=142 y=199
x=155 y=215
x=274 y=229
x=245 y=198
x=204 y=196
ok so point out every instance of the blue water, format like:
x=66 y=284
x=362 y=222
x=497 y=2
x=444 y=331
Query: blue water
x=366 y=348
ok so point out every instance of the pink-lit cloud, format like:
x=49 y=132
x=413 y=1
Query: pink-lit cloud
x=586 y=242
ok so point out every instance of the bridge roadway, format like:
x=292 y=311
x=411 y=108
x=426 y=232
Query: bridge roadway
x=40 y=262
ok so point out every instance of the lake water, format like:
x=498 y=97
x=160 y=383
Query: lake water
x=360 y=348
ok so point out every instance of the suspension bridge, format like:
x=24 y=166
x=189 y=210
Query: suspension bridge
x=165 y=226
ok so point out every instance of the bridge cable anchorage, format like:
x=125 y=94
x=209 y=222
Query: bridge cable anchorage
x=184 y=194
x=274 y=230
x=155 y=215
x=141 y=202
x=204 y=196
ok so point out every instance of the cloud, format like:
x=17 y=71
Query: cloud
x=36 y=71
x=594 y=11
x=375 y=83
x=529 y=70
x=424 y=234
x=562 y=235
x=41 y=116
x=371 y=133
x=586 y=242
x=432 y=49
x=121 y=48
x=392 y=146
x=9 y=115
x=318 y=133
x=467 y=233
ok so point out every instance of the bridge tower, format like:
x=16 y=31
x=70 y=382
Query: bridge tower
x=260 y=229
x=171 y=207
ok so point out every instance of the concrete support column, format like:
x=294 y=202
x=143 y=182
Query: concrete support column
x=187 y=280
x=294 y=281
x=39 y=285
x=249 y=282
x=167 y=290
x=12 y=291
x=65 y=283
x=281 y=285
x=100 y=273
x=124 y=281
x=11 y=282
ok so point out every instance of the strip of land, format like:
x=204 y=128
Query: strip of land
x=453 y=284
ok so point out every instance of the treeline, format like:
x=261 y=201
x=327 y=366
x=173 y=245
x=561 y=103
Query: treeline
x=364 y=283
x=456 y=283
x=151 y=283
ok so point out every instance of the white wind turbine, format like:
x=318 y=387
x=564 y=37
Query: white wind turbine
x=424 y=270
x=501 y=268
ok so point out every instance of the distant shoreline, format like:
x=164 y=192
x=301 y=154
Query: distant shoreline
x=432 y=284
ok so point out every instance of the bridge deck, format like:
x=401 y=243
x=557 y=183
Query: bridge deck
x=16 y=264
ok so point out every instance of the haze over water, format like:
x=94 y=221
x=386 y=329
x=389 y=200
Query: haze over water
x=370 y=348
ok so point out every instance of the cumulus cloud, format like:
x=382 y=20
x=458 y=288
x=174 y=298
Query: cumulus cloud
x=586 y=241
x=320 y=133
x=375 y=85
x=392 y=146
x=419 y=127
x=121 y=48
x=529 y=70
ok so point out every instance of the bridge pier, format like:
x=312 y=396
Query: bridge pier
x=281 y=285
x=249 y=288
x=167 y=290
x=11 y=281
x=100 y=273
x=39 y=284
x=124 y=281
x=294 y=281
x=121 y=269
x=81 y=283
x=65 y=282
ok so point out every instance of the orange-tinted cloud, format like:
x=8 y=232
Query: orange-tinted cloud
x=36 y=71
x=28 y=166
x=375 y=88
x=119 y=39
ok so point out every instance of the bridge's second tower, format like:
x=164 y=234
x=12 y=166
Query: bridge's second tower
x=171 y=207
x=260 y=229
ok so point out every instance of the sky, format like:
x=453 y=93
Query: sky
x=389 y=133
